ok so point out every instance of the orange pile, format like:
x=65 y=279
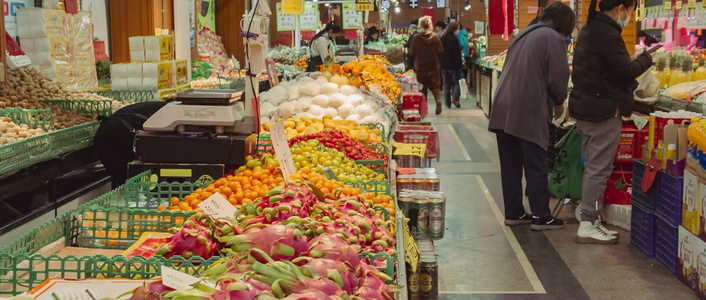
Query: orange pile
x=243 y=187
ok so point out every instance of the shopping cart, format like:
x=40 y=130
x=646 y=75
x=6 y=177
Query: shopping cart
x=565 y=168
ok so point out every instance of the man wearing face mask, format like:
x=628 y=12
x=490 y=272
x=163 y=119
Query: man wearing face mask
x=604 y=82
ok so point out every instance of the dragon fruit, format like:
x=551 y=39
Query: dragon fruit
x=149 y=291
x=278 y=241
x=334 y=247
x=340 y=272
x=194 y=239
x=280 y=204
x=373 y=284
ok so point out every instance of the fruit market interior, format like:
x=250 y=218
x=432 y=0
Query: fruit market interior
x=352 y=149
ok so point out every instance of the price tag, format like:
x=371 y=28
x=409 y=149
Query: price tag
x=285 y=22
x=177 y=280
x=218 y=206
x=692 y=3
x=410 y=149
x=678 y=4
x=668 y=5
x=681 y=51
x=310 y=19
x=284 y=154
x=640 y=123
x=295 y=7
x=411 y=252
x=351 y=18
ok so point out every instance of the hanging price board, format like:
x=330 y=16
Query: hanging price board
x=310 y=19
x=678 y=4
x=351 y=18
x=667 y=5
x=411 y=252
x=285 y=22
x=410 y=149
x=294 y=7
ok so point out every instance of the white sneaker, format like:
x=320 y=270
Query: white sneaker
x=590 y=234
x=607 y=231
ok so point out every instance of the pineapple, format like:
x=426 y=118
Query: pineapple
x=700 y=73
x=683 y=74
x=661 y=71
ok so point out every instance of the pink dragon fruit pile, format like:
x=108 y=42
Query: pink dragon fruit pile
x=290 y=245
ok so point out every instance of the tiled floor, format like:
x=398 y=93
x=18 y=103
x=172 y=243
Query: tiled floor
x=479 y=258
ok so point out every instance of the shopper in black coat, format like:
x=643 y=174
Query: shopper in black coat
x=604 y=81
x=451 y=63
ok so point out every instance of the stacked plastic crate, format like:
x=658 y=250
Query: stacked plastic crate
x=642 y=221
x=668 y=217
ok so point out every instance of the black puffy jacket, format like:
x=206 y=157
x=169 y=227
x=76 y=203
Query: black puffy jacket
x=603 y=72
x=452 y=58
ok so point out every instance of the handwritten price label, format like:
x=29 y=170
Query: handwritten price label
x=177 y=280
x=284 y=154
x=410 y=149
x=218 y=206
x=310 y=19
x=351 y=18
x=411 y=252
x=295 y=7
x=285 y=22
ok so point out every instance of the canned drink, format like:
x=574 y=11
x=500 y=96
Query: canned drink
x=419 y=183
x=412 y=282
x=433 y=183
x=423 y=217
x=429 y=279
x=437 y=212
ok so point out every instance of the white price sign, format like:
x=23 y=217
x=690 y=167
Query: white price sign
x=284 y=154
x=218 y=206
x=177 y=280
x=310 y=19
x=285 y=22
x=351 y=18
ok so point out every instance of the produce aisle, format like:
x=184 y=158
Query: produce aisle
x=481 y=259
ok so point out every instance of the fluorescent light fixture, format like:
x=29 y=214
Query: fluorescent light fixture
x=397 y=9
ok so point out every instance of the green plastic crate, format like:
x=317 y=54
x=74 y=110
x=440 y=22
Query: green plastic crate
x=377 y=165
x=134 y=95
x=34 y=118
x=73 y=138
x=378 y=126
x=142 y=192
x=376 y=187
x=97 y=107
x=119 y=228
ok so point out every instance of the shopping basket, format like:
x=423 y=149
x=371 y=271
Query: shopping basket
x=566 y=169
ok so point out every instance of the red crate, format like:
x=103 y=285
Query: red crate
x=428 y=137
x=415 y=101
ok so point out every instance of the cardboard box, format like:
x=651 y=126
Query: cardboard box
x=166 y=76
x=631 y=140
x=689 y=251
x=170 y=172
x=181 y=68
x=137 y=43
x=691 y=214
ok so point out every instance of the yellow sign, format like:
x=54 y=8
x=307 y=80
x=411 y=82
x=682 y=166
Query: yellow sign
x=692 y=3
x=410 y=149
x=293 y=7
x=667 y=5
x=175 y=172
x=411 y=252
x=364 y=5
x=679 y=4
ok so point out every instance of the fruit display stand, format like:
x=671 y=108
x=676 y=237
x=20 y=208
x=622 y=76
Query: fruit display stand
x=74 y=245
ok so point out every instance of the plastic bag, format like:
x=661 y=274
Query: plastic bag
x=648 y=88
x=687 y=90
x=464 y=88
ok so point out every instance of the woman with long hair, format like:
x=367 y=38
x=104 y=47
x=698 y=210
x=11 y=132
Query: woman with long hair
x=451 y=64
x=426 y=48
x=604 y=81
x=533 y=84
x=319 y=47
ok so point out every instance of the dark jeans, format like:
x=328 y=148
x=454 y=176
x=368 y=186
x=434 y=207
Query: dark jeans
x=451 y=85
x=517 y=154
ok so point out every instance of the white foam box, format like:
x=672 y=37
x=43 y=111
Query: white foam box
x=119 y=84
x=152 y=56
x=42 y=44
x=55 y=4
x=118 y=71
x=150 y=84
x=153 y=43
x=134 y=70
x=39 y=58
x=150 y=70
x=137 y=56
x=137 y=43
x=134 y=83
